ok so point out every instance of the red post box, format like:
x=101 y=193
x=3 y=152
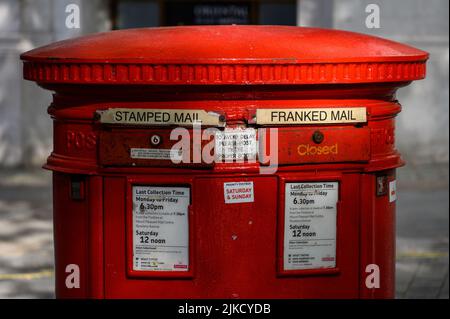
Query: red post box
x=230 y=161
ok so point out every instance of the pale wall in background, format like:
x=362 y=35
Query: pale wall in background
x=25 y=127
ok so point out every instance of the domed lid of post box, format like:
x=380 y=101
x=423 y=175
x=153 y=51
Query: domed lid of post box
x=223 y=55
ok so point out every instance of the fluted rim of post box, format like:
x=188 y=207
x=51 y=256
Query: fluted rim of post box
x=218 y=55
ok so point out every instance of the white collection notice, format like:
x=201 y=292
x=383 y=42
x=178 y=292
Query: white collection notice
x=310 y=225
x=160 y=228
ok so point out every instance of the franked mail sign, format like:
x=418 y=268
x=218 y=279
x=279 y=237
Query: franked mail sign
x=160 y=117
x=310 y=225
x=160 y=228
x=311 y=116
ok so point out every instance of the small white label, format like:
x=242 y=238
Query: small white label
x=156 y=153
x=392 y=191
x=310 y=225
x=160 y=228
x=238 y=192
x=236 y=144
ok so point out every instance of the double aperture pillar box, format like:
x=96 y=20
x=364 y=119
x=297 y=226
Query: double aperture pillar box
x=224 y=161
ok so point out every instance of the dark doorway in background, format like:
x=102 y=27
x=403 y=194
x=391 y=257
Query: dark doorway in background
x=209 y=12
x=152 y=13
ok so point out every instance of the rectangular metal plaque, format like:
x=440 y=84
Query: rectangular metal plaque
x=311 y=116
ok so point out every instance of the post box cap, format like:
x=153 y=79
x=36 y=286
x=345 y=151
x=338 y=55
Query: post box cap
x=224 y=55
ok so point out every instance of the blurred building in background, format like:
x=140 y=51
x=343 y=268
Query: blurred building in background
x=423 y=125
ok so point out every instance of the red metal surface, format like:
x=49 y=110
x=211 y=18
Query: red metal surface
x=234 y=71
x=70 y=228
x=377 y=237
x=234 y=268
x=115 y=145
x=252 y=55
x=340 y=144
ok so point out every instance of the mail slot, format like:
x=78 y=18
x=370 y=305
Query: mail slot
x=224 y=161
